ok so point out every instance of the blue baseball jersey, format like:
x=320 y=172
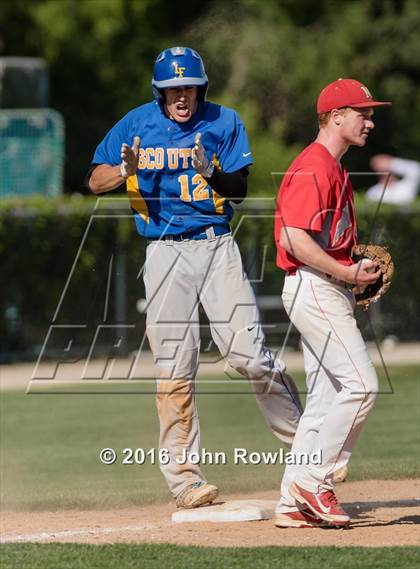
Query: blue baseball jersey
x=166 y=195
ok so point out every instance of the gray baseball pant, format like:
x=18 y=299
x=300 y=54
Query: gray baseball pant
x=179 y=275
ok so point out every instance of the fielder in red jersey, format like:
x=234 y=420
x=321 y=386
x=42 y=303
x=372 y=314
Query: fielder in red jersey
x=315 y=231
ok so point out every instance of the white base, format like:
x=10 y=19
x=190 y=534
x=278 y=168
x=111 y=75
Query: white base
x=234 y=511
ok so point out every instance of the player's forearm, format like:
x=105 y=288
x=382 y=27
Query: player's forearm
x=407 y=169
x=233 y=186
x=300 y=244
x=105 y=178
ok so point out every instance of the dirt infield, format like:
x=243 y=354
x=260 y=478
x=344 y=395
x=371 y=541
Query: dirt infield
x=384 y=513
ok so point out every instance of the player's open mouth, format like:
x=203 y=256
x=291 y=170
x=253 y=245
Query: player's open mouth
x=182 y=109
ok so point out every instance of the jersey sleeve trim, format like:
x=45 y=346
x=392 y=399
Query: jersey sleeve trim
x=137 y=201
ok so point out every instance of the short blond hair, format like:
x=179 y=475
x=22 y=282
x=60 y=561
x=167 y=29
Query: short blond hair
x=323 y=118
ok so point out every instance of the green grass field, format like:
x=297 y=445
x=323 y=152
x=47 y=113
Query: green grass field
x=50 y=445
x=49 y=458
x=67 y=556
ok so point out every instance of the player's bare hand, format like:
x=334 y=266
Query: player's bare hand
x=200 y=162
x=130 y=158
x=363 y=273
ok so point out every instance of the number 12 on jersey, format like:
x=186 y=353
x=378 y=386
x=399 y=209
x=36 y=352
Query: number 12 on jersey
x=200 y=190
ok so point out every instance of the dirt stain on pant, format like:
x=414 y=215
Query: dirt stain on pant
x=179 y=432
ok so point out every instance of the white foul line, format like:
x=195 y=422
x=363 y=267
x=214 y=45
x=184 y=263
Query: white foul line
x=46 y=536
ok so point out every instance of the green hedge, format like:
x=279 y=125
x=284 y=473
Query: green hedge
x=396 y=227
x=40 y=241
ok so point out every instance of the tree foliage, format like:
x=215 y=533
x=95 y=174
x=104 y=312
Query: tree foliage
x=267 y=59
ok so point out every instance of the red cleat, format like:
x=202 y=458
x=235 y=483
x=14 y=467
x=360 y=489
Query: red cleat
x=300 y=519
x=324 y=505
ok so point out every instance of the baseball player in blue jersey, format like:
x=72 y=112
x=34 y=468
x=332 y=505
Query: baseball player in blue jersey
x=184 y=160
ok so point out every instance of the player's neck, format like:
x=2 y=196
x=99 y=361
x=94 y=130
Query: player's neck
x=336 y=146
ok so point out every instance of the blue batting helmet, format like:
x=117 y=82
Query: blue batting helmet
x=178 y=67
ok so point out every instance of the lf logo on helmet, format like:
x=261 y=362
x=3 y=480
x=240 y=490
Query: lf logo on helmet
x=366 y=91
x=179 y=71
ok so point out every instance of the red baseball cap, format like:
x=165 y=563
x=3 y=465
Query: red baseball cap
x=346 y=93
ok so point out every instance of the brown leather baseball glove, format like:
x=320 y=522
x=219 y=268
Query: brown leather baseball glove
x=382 y=257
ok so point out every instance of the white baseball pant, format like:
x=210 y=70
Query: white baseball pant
x=341 y=380
x=179 y=275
